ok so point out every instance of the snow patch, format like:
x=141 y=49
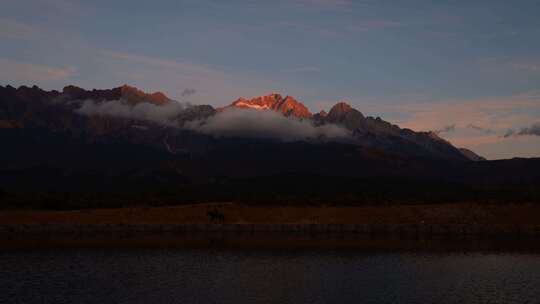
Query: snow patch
x=253 y=106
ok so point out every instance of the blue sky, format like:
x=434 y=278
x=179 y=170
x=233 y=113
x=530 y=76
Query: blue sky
x=427 y=65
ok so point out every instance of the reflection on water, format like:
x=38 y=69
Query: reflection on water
x=265 y=276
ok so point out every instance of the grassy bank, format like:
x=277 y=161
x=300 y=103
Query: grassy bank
x=443 y=214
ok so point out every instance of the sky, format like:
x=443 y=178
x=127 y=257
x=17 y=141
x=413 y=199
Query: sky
x=469 y=70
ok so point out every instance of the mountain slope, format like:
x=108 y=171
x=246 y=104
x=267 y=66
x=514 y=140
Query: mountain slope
x=128 y=115
x=367 y=131
x=50 y=148
x=471 y=155
x=56 y=113
x=377 y=133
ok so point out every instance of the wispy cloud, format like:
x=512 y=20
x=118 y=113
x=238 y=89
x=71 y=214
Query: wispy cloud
x=479 y=128
x=298 y=26
x=328 y=2
x=29 y=72
x=498 y=113
x=534 y=129
x=438 y=34
x=306 y=69
x=446 y=129
x=477 y=124
x=27 y=31
x=445 y=18
x=327 y=32
x=509 y=65
x=530 y=67
x=325 y=4
x=65 y=7
x=213 y=85
x=13 y=29
x=188 y=92
x=372 y=25
x=160 y=62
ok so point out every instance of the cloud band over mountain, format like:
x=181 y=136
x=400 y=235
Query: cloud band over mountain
x=164 y=114
x=231 y=122
x=237 y=122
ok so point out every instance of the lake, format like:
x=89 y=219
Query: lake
x=271 y=275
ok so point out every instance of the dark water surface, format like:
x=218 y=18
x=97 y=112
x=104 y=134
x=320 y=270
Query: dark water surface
x=93 y=275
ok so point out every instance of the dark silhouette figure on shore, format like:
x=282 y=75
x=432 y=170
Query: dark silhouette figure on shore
x=215 y=216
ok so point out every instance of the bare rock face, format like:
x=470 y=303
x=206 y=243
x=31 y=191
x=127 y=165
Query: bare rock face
x=135 y=95
x=342 y=113
x=322 y=114
x=340 y=109
x=379 y=134
x=287 y=106
x=130 y=94
x=318 y=119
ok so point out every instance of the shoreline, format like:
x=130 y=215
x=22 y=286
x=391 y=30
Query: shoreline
x=320 y=226
x=279 y=241
x=404 y=230
x=270 y=237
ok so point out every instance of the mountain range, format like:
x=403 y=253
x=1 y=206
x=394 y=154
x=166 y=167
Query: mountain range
x=123 y=140
x=119 y=114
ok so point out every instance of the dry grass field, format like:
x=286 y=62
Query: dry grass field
x=464 y=213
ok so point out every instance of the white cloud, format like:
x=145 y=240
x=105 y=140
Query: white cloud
x=17 y=30
x=163 y=115
x=232 y=122
x=266 y=124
